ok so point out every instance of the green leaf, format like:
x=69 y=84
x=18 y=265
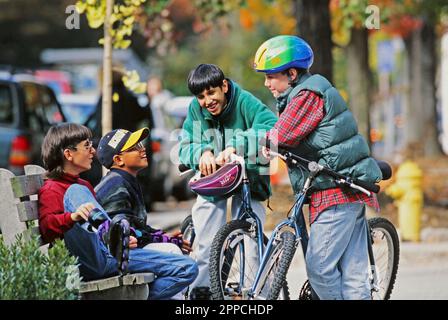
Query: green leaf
x=28 y=273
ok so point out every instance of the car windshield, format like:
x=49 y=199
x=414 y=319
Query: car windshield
x=41 y=106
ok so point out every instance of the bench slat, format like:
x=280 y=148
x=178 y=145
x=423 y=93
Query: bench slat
x=28 y=210
x=112 y=282
x=102 y=284
x=26 y=185
x=9 y=219
x=138 y=278
x=33 y=169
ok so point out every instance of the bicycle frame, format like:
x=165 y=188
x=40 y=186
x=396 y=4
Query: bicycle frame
x=297 y=222
x=246 y=212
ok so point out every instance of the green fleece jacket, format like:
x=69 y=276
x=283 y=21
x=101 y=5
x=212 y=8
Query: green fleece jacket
x=242 y=123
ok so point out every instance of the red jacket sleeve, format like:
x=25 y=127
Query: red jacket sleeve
x=53 y=221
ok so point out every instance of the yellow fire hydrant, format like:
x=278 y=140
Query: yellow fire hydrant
x=408 y=195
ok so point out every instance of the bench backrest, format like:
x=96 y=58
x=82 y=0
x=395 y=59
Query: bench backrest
x=19 y=204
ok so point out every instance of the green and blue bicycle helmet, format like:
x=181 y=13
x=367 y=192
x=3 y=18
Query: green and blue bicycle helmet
x=283 y=52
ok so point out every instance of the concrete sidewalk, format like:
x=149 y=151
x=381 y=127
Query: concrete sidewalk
x=167 y=220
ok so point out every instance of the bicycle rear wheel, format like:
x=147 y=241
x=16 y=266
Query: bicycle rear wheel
x=232 y=272
x=386 y=252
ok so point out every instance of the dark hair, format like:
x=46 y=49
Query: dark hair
x=204 y=77
x=57 y=139
x=300 y=71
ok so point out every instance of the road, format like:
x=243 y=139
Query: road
x=422 y=273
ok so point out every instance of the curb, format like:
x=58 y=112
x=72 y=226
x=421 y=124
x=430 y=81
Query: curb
x=431 y=234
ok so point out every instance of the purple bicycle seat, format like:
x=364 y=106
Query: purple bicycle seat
x=224 y=180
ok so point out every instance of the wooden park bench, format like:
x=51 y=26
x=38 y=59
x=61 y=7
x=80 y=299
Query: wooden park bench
x=19 y=215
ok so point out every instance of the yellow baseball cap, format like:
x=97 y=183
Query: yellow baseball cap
x=116 y=141
x=135 y=138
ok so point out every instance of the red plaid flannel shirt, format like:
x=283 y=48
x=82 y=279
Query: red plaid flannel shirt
x=302 y=115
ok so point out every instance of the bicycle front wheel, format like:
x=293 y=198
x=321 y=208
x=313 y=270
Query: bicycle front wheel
x=386 y=252
x=273 y=278
x=234 y=262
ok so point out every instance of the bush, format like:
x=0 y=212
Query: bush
x=28 y=273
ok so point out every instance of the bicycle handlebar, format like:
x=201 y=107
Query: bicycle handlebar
x=316 y=168
x=182 y=168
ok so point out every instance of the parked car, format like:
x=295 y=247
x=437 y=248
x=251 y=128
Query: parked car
x=27 y=110
x=57 y=80
x=78 y=108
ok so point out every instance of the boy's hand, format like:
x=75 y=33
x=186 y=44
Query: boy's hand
x=186 y=245
x=207 y=163
x=83 y=212
x=132 y=242
x=224 y=156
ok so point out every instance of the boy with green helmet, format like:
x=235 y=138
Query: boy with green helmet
x=315 y=123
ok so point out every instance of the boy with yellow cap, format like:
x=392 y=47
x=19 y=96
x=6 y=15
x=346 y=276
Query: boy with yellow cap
x=124 y=154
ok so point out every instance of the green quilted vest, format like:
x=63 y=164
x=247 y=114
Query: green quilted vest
x=335 y=143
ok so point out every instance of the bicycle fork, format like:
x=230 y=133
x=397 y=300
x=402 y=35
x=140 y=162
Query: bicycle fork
x=373 y=279
x=297 y=222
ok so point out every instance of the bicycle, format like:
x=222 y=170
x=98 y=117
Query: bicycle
x=278 y=251
x=233 y=242
x=383 y=243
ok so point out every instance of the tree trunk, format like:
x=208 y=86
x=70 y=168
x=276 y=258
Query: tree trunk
x=359 y=80
x=106 y=108
x=313 y=25
x=106 y=120
x=431 y=132
x=421 y=134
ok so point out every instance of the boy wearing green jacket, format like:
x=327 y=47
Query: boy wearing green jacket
x=222 y=119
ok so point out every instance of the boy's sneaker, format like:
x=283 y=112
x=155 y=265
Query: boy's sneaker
x=115 y=235
x=200 y=293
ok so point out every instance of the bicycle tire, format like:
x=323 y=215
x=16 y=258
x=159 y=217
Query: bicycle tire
x=187 y=229
x=388 y=274
x=375 y=224
x=235 y=229
x=281 y=258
